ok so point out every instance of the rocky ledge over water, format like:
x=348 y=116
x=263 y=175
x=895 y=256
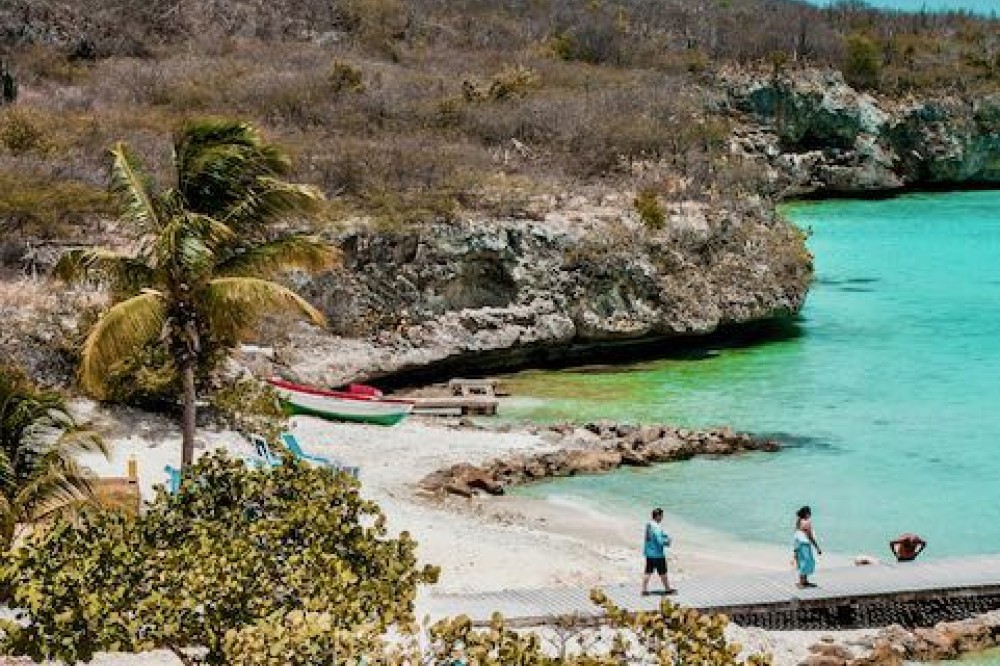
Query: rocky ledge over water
x=591 y=449
x=580 y=275
x=818 y=136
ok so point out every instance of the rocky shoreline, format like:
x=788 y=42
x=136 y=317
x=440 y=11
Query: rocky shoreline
x=818 y=137
x=896 y=645
x=591 y=449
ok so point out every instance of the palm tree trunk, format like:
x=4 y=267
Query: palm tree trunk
x=188 y=418
x=189 y=360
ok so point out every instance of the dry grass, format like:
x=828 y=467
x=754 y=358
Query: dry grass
x=25 y=295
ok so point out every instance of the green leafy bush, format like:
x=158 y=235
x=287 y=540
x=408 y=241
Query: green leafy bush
x=250 y=407
x=345 y=78
x=863 y=63
x=647 y=204
x=508 y=83
x=669 y=636
x=19 y=134
x=201 y=568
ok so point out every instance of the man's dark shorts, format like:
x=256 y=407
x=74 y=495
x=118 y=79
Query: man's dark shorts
x=657 y=564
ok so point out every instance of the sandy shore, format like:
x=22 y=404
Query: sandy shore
x=481 y=544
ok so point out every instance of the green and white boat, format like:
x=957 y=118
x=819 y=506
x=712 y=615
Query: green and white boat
x=360 y=404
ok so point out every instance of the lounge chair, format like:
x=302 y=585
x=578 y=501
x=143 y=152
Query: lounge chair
x=265 y=456
x=173 y=479
x=292 y=442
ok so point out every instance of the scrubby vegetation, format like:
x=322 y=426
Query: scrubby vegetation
x=231 y=551
x=417 y=110
x=287 y=567
x=39 y=439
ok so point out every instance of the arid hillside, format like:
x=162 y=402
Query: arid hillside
x=416 y=110
x=634 y=148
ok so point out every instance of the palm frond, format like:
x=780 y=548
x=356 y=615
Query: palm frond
x=80 y=439
x=8 y=475
x=133 y=189
x=123 y=329
x=267 y=260
x=187 y=243
x=218 y=161
x=56 y=487
x=270 y=199
x=233 y=304
x=123 y=273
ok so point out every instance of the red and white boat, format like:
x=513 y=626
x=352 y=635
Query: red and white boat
x=360 y=403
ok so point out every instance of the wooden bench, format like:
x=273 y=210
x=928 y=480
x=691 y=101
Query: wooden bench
x=487 y=387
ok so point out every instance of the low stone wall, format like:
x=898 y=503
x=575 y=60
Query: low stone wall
x=591 y=449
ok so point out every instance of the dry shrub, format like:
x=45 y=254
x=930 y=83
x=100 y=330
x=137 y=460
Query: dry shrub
x=33 y=205
x=509 y=83
x=20 y=133
x=345 y=78
x=647 y=205
x=42 y=295
x=40 y=64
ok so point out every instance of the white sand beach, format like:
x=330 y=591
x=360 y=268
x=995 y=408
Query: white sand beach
x=480 y=544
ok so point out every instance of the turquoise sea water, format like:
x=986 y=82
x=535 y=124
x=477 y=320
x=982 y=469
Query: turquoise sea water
x=978 y=6
x=991 y=658
x=889 y=397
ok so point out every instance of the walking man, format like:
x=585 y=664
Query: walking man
x=656 y=543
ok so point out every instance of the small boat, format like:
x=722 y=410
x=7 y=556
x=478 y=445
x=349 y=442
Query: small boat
x=362 y=406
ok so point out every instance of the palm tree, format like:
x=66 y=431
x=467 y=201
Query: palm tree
x=39 y=477
x=207 y=250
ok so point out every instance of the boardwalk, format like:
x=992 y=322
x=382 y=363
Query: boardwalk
x=915 y=594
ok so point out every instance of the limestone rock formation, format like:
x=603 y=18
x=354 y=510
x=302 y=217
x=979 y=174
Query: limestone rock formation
x=500 y=292
x=819 y=136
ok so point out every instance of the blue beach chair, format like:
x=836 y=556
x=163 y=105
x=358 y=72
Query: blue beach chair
x=173 y=479
x=265 y=456
x=292 y=442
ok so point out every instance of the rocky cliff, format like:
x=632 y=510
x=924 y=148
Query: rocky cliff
x=818 y=136
x=505 y=292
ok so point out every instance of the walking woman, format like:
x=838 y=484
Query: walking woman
x=803 y=546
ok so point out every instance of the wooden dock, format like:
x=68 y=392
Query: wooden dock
x=912 y=594
x=461 y=397
x=457 y=405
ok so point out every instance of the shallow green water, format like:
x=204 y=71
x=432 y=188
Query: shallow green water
x=991 y=658
x=888 y=398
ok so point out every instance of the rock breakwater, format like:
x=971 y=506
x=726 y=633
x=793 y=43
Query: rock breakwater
x=591 y=449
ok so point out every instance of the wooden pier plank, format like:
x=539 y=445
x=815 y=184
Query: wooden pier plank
x=768 y=592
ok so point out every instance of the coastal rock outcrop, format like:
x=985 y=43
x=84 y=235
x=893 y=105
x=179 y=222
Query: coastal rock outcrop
x=583 y=276
x=591 y=449
x=896 y=645
x=819 y=136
